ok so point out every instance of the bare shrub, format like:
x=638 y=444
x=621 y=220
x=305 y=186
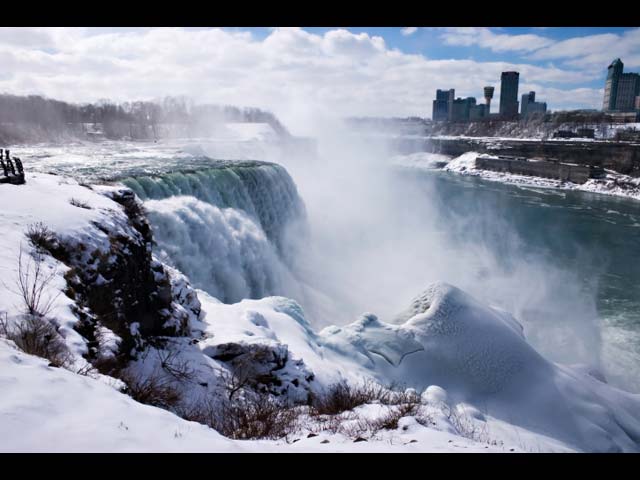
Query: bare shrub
x=465 y=426
x=79 y=203
x=87 y=371
x=391 y=419
x=341 y=397
x=259 y=416
x=354 y=426
x=247 y=370
x=36 y=335
x=41 y=237
x=174 y=366
x=33 y=280
x=153 y=390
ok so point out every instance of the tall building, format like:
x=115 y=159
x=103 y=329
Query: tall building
x=527 y=98
x=614 y=72
x=628 y=90
x=478 y=112
x=529 y=106
x=461 y=108
x=488 y=95
x=537 y=107
x=442 y=105
x=509 y=94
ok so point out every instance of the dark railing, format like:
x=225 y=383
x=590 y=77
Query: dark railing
x=13 y=171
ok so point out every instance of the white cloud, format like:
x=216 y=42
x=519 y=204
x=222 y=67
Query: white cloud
x=289 y=71
x=498 y=42
x=406 y=31
x=595 y=51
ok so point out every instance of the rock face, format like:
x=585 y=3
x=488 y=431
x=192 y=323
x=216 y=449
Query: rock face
x=264 y=368
x=116 y=283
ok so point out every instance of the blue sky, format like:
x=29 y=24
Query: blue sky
x=313 y=72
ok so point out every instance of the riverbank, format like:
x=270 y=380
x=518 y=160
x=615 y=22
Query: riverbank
x=620 y=157
x=612 y=183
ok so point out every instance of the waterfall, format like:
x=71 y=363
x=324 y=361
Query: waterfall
x=227 y=228
x=264 y=191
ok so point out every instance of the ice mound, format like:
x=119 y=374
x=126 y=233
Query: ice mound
x=479 y=356
x=475 y=344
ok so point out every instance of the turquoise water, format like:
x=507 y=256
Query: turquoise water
x=596 y=238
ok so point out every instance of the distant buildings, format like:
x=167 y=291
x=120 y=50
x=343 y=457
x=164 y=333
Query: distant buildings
x=529 y=106
x=621 y=90
x=448 y=108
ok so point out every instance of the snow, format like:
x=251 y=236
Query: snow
x=54 y=410
x=477 y=355
x=460 y=356
x=46 y=199
x=39 y=412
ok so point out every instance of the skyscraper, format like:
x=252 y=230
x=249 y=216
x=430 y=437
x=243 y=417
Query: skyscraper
x=442 y=105
x=461 y=109
x=529 y=106
x=628 y=90
x=509 y=94
x=527 y=99
x=614 y=72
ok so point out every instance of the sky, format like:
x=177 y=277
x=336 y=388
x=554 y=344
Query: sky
x=296 y=72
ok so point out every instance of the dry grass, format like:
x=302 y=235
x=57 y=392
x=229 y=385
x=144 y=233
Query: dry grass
x=38 y=336
x=333 y=411
x=341 y=397
x=153 y=390
x=465 y=426
x=251 y=417
x=41 y=237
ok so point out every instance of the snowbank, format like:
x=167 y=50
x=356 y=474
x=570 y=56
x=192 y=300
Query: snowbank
x=45 y=409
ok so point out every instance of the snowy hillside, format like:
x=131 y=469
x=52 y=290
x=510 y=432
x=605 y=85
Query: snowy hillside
x=131 y=326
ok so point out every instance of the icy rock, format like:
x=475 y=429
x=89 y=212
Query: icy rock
x=370 y=336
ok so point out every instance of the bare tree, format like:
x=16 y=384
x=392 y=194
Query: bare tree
x=33 y=280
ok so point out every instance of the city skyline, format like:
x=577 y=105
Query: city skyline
x=448 y=107
x=313 y=72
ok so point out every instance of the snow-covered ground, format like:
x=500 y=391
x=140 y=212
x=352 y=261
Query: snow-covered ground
x=45 y=409
x=613 y=184
x=459 y=355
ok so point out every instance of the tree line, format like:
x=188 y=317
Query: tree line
x=34 y=117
